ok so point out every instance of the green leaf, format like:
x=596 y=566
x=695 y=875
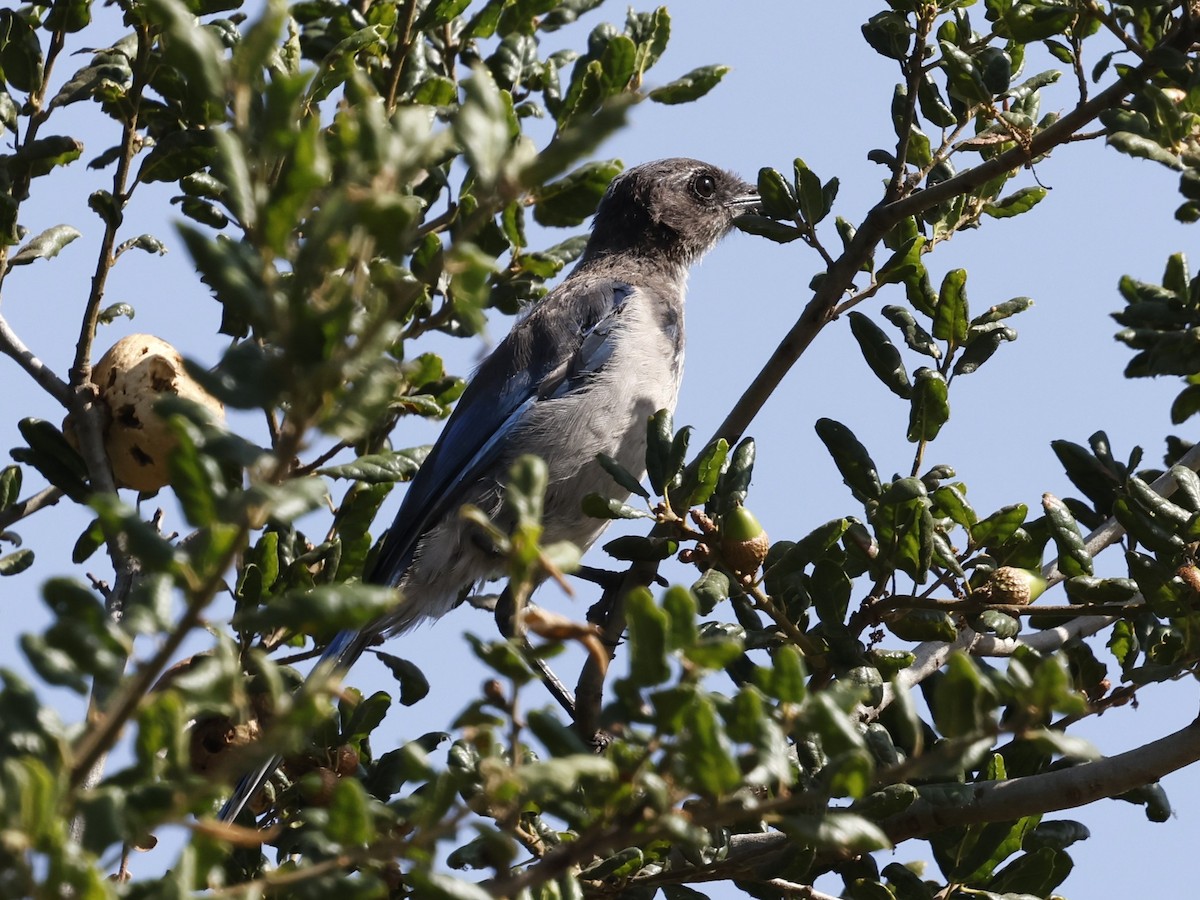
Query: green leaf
x=787 y=675
x=46 y=245
x=380 y=468
x=692 y=86
x=949 y=500
x=196 y=479
x=962 y=699
x=622 y=476
x=734 y=482
x=951 y=319
x=930 y=405
x=51 y=454
x=52 y=665
x=904 y=263
x=20 y=52
x=779 y=232
x=933 y=106
x=16 y=562
x=42 y=156
x=889 y=801
x=114 y=311
x=323 y=610
x=648 y=626
x=705 y=751
x=503 y=657
x=572 y=199
x=834 y=830
x=440 y=12
x=597 y=506
x=1015 y=203
x=1090 y=589
x=778 y=198
x=193 y=50
x=1186 y=404
x=1073 y=556
x=1144 y=148
x=633 y=547
x=980 y=349
x=617 y=64
x=922 y=625
x=621 y=864
x=710 y=589
x=858 y=469
x=700 y=479
x=889 y=34
x=916 y=337
x=1002 y=311
x=1037 y=873
x=659 y=455
x=1058 y=835
x=881 y=354
x=10 y=486
x=991 y=621
x=1153 y=797
x=964 y=80
x=816 y=199
x=681 y=608
x=177 y=155
x=1001 y=525
x=414 y=686
x=485 y=125
x=435 y=886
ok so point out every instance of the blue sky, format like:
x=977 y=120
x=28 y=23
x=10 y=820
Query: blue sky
x=804 y=83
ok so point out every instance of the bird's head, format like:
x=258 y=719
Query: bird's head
x=674 y=210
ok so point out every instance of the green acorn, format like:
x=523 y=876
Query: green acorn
x=1014 y=586
x=744 y=543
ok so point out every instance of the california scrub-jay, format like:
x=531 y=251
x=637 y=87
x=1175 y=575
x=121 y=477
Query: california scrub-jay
x=579 y=375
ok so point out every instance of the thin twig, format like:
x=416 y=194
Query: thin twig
x=403 y=48
x=970 y=605
x=932 y=655
x=11 y=345
x=81 y=370
x=27 y=507
x=912 y=66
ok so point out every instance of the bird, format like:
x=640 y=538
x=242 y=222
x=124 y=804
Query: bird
x=578 y=375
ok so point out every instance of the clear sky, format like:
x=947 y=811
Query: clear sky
x=804 y=83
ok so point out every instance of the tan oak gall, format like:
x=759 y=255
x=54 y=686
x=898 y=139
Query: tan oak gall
x=135 y=373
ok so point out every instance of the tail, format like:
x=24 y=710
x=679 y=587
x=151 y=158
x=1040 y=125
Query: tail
x=341 y=653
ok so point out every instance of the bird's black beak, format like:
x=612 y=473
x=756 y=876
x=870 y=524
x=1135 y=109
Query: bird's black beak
x=746 y=202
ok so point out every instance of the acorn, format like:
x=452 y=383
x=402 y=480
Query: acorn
x=346 y=760
x=744 y=543
x=1010 y=585
x=135 y=373
x=316 y=787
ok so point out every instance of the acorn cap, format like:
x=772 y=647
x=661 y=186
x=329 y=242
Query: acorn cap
x=1019 y=587
x=744 y=543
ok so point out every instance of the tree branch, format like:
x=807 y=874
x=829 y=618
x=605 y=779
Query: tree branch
x=1069 y=788
x=991 y=801
x=879 y=221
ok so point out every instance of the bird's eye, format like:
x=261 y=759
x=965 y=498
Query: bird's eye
x=704 y=187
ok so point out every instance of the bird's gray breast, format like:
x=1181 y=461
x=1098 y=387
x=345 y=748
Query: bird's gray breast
x=608 y=412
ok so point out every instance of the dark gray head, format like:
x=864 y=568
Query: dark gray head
x=671 y=210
